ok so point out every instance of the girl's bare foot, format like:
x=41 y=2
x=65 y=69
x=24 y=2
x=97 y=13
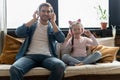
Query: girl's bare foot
x=79 y=64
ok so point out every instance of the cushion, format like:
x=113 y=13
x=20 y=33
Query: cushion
x=108 y=53
x=10 y=49
x=88 y=69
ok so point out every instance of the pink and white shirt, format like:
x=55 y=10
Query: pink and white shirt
x=79 y=46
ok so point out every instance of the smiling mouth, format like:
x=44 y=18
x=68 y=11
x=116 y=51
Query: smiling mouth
x=45 y=16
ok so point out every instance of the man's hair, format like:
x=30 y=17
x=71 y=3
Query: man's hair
x=47 y=5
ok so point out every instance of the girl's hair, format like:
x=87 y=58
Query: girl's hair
x=72 y=42
x=72 y=24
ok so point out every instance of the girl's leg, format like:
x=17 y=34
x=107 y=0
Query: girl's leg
x=70 y=60
x=92 y=58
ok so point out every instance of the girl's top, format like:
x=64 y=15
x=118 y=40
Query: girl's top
x=79 y=46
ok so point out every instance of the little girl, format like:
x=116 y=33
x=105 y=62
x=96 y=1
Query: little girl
x=74 y=48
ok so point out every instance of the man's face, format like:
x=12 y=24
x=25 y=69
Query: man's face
x=45 y=13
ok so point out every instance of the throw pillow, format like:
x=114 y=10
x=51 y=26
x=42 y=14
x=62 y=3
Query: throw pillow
x=10 y=49
x=108 y=53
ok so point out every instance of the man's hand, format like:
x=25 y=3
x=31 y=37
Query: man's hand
x=35 y=18
x=36 y=15
x=52 y=17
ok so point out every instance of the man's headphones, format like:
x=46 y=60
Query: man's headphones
x=38 y=10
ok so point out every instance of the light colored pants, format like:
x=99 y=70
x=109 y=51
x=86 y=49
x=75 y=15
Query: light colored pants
x=69 y=60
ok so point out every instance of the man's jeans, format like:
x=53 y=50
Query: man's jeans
x=26 y=63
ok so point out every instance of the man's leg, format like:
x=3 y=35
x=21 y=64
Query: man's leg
x=56 y=66
x=20 y=67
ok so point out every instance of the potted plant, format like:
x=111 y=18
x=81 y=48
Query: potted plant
x=102 y=16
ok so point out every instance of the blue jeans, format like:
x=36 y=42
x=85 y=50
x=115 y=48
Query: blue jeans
x=26 y=63
x=68 y=59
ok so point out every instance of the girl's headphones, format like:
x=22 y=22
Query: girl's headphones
x=70 y=31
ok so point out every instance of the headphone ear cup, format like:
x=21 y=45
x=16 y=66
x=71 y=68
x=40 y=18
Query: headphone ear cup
x=70 y=32
x=38 y=10
x=52 y=10
x=82 y=30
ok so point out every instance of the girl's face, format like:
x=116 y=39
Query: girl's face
x=77 y=30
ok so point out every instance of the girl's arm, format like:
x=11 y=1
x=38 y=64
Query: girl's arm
x=67 y=40
x=91 y=40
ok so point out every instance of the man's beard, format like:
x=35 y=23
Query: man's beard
x=45 y=18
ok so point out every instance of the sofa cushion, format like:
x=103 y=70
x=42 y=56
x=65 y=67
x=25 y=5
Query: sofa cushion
x=12 y=45
x=108 y=53
x=10 y=49
x=100 y=69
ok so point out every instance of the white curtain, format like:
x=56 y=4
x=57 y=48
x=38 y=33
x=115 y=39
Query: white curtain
x=3 y=22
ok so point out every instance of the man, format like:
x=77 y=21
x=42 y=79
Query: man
x=38 y=49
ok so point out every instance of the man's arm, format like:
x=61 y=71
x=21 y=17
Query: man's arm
x=52 y=20
x=23 y=30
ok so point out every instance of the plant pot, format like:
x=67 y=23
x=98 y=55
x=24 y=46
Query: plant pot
x=103 y=25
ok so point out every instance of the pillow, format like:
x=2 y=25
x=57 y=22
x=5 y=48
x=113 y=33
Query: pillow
x=108 y=53
x=10 y=49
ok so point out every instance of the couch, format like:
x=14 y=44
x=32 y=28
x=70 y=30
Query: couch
x=108 y=68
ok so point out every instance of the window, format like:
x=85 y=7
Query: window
x=20 y=11
x=84 y=9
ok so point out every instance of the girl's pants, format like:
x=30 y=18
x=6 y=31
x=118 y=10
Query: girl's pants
x=85 y=60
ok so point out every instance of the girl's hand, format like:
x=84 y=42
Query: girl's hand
x=87 y=33
x=69 y=35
